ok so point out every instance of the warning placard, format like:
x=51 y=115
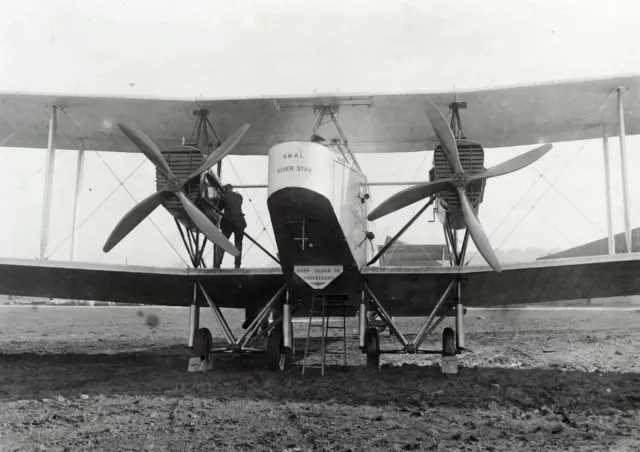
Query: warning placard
x=318 y=276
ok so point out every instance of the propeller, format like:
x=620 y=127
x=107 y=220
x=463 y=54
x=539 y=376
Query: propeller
x=459 y=180
x=174 y=187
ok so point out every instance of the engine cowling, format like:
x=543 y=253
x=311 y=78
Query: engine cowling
x=472 y=161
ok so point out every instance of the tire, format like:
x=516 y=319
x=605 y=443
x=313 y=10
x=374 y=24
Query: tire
x=278 y=357
x=372 y=348
x=202 y=343
x=448 y=342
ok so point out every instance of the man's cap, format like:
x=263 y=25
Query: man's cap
x=228 y=186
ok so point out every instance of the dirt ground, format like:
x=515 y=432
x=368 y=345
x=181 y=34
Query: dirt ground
x=115 y=379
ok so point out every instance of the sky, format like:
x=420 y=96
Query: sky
x=224 y=49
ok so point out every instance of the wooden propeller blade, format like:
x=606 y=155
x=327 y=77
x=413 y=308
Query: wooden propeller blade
x=444 y=134
x=206 y=226
x=514 y=164
x=213 y=180
x=134 y=217
x=149 y=149
x=477 y=232
x=221 y=152
x=407 y=197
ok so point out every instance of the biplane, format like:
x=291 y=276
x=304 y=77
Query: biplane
x=320 y=205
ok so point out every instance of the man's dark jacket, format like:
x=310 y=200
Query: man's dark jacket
x=231 y=204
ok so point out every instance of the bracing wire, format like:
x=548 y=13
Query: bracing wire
x=15 y=132
x=121 y=184
x=541 y=196
x=259 y=235
x=414 y=209
x=534 y=183
x=571 y=203
x=95 y=210
x=9 y=137
x=253 y=206
x=148 y=218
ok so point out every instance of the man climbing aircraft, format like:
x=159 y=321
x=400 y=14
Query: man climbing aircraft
x=232 y=223
x=230 y=205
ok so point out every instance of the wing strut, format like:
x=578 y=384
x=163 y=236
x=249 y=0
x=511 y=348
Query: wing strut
x=399 y=234
x=459 y=180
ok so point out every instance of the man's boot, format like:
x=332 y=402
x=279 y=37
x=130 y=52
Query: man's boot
x=217 y=257
x=249 y=315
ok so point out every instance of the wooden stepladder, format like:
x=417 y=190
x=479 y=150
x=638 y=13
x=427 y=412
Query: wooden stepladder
x=330 y=306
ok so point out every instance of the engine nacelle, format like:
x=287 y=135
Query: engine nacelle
x=472 y=161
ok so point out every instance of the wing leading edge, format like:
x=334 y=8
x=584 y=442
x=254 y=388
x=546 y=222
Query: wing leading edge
x=404 y=291
x=413 y=291
x=130 y=284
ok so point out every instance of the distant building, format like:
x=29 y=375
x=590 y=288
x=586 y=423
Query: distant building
x=402 y=254
x=600 y=247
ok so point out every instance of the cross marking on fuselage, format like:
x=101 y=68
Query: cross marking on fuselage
x=303 y=238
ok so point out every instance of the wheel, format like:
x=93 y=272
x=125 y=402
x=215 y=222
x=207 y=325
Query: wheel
x=448 y=342
x=372 y=347
x=278 y=356
x=202 y=343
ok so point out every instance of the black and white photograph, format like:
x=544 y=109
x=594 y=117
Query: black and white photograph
x=319 y=225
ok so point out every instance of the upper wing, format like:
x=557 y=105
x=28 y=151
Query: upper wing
x=412 y=291
x=533 y=114
x=130 y=284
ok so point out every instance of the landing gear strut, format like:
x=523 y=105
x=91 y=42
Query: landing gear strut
x=450 y=303
x=279 y=357
x=279 y=348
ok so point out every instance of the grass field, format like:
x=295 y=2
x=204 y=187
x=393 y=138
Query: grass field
x=114 y=379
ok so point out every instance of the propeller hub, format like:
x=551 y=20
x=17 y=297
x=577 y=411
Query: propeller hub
x=460 y=180
x=174 y=185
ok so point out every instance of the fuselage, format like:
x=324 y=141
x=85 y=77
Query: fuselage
x=318 y=210
x=315 y=201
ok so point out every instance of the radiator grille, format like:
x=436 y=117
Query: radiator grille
x=472 y=160
x=182 y=163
